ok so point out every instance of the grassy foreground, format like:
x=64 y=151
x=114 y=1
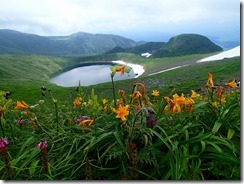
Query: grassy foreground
x=156 y=129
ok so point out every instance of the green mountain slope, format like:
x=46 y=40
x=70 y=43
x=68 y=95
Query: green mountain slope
x=146 y=47
x=185 y=44
x=14 y=42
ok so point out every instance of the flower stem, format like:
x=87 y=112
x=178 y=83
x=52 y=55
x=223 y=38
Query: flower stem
x=56 y=114
x=113 y=91
x=2 y=127
x=43 y=129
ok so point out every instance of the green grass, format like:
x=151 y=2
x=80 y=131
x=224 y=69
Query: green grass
x=34 y=67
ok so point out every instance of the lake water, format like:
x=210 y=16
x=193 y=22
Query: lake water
x=88 y=75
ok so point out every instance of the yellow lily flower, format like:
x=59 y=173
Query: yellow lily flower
x=155 y=93
x=104 y=101
x=194 y=94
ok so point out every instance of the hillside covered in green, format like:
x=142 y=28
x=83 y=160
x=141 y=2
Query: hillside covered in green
x=184 y=44
x=84 y=44
x=14 y=42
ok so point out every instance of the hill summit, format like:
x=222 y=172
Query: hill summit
x=183 y=44
x=186 y=44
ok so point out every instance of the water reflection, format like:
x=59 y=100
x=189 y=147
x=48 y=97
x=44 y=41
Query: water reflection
x=88 y=75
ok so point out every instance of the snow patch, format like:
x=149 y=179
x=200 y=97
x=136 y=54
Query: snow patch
x=146 y=54
x=225 y=54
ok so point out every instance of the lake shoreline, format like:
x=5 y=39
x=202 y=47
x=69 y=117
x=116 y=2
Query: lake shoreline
x=89 y=63
x=88 y=73
x=138 y=69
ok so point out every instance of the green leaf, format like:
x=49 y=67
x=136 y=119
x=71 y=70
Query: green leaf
x=162 y=139
x=230 y=134
x=203 y=146
x=215 y=146
x=216 y=127
x=3 y=121
x=25 y=159
x=187 y=134
x=24 y=145
x=33 y=167
x=116 y=135
x=198 y=138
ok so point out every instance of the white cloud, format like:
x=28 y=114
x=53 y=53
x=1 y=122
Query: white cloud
x=63 y=17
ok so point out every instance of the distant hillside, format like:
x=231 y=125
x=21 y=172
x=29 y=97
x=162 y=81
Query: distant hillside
x=185 y=44
x=13 y=42
x=146 y=47
x=180 y=45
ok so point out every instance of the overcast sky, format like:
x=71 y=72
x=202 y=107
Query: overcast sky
x=135 y=19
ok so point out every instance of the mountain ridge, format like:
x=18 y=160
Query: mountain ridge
x=179 y=45
x=81 y=43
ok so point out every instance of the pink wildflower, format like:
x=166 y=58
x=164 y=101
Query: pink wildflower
x=43 y=146
x=3 y=143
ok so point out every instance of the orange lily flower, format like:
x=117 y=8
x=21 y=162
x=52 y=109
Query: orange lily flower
x=21 y=105
x=77 y=101
x=179 y=102
x=143 y=88
x=120 y=69
x=210 y=80
x=231 y=84
x=122 y=112
x=122 y=94
x=88 y=121
x=136 y=94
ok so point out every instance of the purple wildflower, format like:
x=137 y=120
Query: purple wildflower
x=78 y=120
x=3 y=143
x=43 y=146
x=20 y=122
x=151 y=122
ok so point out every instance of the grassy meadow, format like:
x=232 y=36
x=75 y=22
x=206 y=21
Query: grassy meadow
x=182 y=124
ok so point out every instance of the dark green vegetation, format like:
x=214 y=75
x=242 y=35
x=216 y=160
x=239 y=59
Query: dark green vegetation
x=201 y=145
x=13 y=42
x=146 y=47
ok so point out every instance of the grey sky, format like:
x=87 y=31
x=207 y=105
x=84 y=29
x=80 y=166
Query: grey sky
x=130 y=18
